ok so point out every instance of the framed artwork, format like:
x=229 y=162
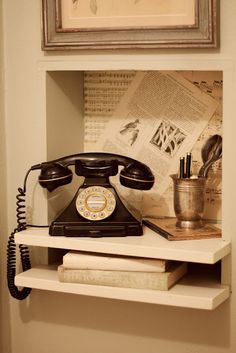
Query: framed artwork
x=127 y=24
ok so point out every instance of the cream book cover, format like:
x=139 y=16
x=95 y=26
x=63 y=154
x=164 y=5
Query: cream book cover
x=86 y=260
x=126 y=279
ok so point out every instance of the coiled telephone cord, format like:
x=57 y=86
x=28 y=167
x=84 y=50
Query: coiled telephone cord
x=15 y=292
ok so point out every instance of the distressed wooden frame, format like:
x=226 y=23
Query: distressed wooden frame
x=203 y=34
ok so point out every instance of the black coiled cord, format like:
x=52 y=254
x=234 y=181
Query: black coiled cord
x=16 y=293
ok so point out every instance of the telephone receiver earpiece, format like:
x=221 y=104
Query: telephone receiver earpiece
x=54 y=175
x=134 y=175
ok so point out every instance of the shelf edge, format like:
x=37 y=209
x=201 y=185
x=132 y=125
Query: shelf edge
x=45 y=278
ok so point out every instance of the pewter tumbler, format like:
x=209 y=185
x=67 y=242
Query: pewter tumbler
x=189 y=201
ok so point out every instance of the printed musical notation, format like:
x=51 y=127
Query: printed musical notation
x=103 y=91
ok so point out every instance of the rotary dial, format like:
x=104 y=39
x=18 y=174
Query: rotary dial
x=95 y=203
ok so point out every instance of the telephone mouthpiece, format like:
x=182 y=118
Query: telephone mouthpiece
x=137 y=176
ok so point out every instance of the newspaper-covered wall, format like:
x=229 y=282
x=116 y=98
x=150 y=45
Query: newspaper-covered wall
x=156 y=117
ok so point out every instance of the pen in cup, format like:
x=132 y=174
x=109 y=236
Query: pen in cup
x=185 y=168
x=181 y=168
x=188 y=165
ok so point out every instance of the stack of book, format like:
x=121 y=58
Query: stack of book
x=120 y=271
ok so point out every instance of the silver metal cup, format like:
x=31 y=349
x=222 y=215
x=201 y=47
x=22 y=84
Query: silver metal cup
x=189 y=201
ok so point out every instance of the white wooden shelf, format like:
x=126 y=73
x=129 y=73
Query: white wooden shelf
x=202 y=292
x=190 y=292
x=150 y=245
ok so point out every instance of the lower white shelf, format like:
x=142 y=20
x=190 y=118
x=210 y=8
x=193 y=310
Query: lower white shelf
x=190 y=292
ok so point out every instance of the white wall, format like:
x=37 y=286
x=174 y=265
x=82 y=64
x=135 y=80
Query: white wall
x=4 y=298
x=49 y=322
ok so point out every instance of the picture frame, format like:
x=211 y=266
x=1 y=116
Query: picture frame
x=71 y=24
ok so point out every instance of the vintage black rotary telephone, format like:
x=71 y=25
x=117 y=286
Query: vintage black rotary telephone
x=95 y=211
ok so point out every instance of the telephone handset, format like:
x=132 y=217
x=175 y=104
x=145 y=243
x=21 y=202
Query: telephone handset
x=96 y=209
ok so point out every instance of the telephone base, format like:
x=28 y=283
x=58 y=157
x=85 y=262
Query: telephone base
x=120 y=223
x=99 y=230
